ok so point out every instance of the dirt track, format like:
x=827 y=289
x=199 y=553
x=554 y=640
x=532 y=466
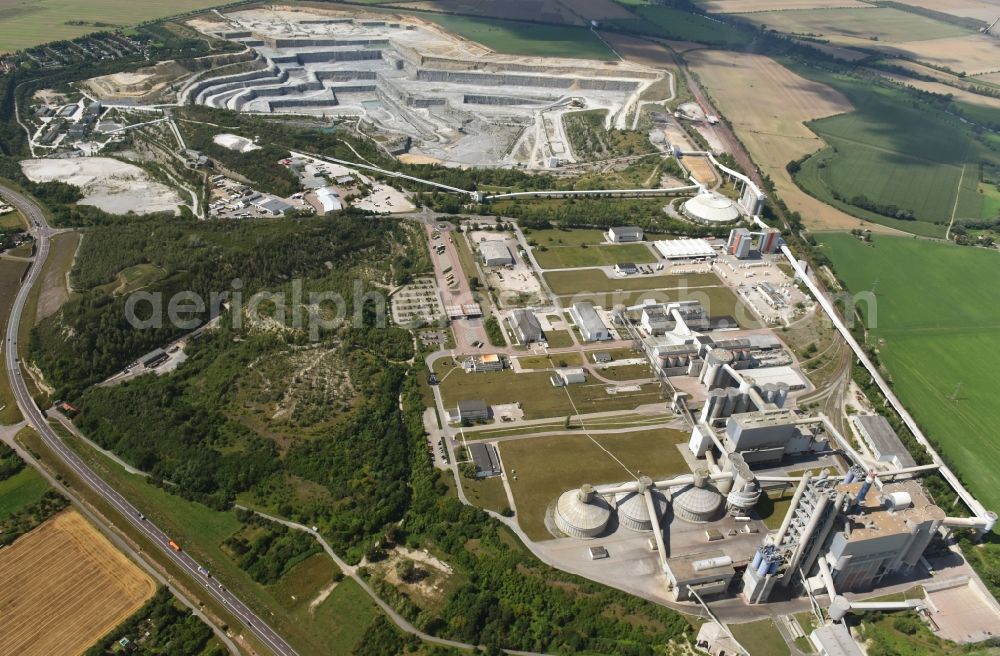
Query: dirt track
x=63 y=586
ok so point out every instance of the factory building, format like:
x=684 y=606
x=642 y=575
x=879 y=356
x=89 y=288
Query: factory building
x=582 y=513
x=626 y=269
x=883 y=440
x=766 y=435
x=624 y=234
x=882 y=533
x=592 y=328
x=660 y=319
x=495 y=253
x=743 y=244
x=740 y=243
x=490 y=362
x=714 y=640
x=707 y=573
x=526 y=327
x=854 y=534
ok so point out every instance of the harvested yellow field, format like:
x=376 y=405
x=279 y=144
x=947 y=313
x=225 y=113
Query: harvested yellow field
x=767 y=105
x=63 y=586
x=974 y=54
x=984 y=10
x=749 y=6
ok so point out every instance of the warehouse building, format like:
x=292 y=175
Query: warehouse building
x=526 y=327
x=834 y=640
x=626 y=269
x=570 y=376
x=684 y=249
x=495 y=253
x=486 y=460
x=624 y=234
x=490 y=362
x=883 y=440
x=472 y=410
x=592 y=328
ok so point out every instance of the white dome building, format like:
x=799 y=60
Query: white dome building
x=711 y=208
x=582 y=513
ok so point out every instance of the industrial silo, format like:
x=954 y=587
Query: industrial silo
x=633 y=512
x=582 y=513
x=698 y=502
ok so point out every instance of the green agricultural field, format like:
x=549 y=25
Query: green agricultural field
x=516 y=38
x=681 y=25
x=935 y=328
x=29 y=23
x=881 y=24
x=20 y=491
x=538 y=398
x=548 y=466
x=888 y=159
x=565 y=257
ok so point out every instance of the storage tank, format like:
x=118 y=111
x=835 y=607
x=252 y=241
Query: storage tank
x=582 y=513
x=769 y=391
x=782 y=395
x=711 y=563
x=633 y=513
x=698 y=502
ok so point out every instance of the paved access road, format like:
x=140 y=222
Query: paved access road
x=36 y=419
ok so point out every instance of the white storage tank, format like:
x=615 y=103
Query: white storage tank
x=582 y=513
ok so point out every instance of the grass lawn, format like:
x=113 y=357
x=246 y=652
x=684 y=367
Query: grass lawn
x=20 y=491
x=548 y=466
x=26 y=24
x=564 y=236
x=760 y=638
x=595 y=280
x=564 y=257
x=890 y=154
x=201 y=531
x=558 y=338
x=487 y=493
x=137 y=277
x=516 y=38
x=936 y=327
x=538 y=398
x=544 y=362
x=12 y=220
x=626 y=372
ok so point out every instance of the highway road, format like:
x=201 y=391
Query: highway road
x=36 y=419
